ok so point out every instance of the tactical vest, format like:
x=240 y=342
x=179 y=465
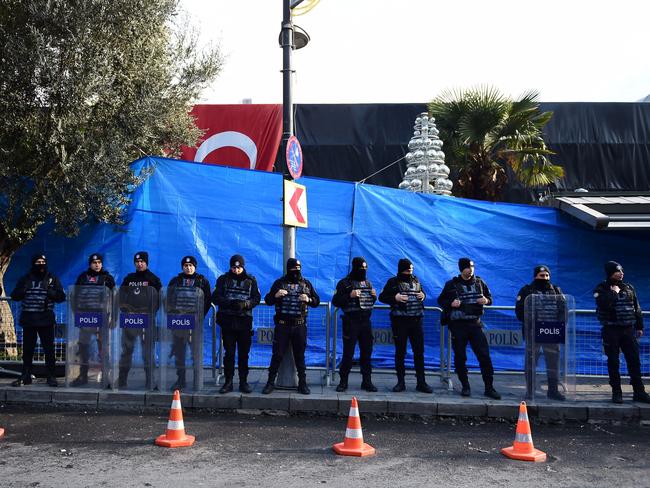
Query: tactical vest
x=624 y=315
x=413 y=307
x=140 y=298
x=185 y=297
x=469 y=309
x=91 y=297
x=238 y=290
x=365 y=302
x=547 y=305
x=36 y=297
x=290 y=305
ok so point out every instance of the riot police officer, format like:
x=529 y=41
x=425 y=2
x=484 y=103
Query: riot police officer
x=547 y=310
x=89 y=298
x=619 y=313
x=355 y=296
x=291 y=295
x=38 y=290
x=133 y=299
x=462 y=300
x=405 y=295
x=236 y=294
x=181 y=296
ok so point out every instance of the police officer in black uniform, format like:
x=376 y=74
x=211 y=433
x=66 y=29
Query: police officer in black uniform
x=619 y=313
x=462 y=300
x=291 y=295
x=355 y=296
x=550 y=310
x=38 y=290
x=131 y=297
x=90 y=298
x=181 y=296
x=405 y=295
x=236 y=294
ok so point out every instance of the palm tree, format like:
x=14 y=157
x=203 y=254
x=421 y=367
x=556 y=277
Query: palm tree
x=484 y=132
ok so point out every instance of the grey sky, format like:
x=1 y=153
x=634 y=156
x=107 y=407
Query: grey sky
x=381 y=51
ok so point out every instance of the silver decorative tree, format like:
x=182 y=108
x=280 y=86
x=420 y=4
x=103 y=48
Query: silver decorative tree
x=426 y=170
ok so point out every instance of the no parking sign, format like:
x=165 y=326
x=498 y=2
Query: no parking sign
x=294 y=157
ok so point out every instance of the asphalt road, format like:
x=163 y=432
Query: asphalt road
x=54 y=448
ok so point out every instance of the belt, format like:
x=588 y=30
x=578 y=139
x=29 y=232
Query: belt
x=291 y=322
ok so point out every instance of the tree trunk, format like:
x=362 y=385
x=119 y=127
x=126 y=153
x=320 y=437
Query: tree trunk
x=8 y=340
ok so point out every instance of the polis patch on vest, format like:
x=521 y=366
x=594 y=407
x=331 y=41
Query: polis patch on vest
x=88 y=319
x=180 y=322
x=134 y=321
x=550 y=332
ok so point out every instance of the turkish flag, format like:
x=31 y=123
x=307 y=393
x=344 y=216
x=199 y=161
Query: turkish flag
x=244 y=136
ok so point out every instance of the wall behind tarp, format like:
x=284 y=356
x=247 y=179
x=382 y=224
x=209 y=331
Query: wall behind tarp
x=602 y=146
x=213 y=212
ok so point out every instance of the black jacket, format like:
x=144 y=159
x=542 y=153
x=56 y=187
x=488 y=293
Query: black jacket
x=392 y=288
x=606 y=302
x=133 y=298
x=283 y=284
x=46 y=291
x=342 y=299
x=452 y=290
x=199 y=281
x=527 y=290
x=90 y=277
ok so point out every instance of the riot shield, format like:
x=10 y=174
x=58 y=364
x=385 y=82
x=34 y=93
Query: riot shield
x=549 y=333
x=181 y=331
x=89 y=336
x=133 y=350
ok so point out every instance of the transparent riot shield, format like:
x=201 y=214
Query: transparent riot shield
x=550 y=336
x=181 y=339
x=88 y=347
x=133 y=350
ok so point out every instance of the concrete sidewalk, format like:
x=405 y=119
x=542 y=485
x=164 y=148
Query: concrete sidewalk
x=592 y=402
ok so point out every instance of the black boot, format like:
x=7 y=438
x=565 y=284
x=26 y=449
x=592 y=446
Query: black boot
x=617 y=395
x=343 y=384
x=227 y=386
x=640 y=394
x=25 y=379
x=181 y=383
x=553 y=393
x=466 y=388
x=82 y=379
x=270 y=384
x=400 y=386
x=302 y=384
x=244 y=387
x=366 y=384
x=421 y=385
x=51 y=381
x=121 y=379
x=490 y=392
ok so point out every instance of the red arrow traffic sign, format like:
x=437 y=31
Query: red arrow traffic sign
x=293 y=203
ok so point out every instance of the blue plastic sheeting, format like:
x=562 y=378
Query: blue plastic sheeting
x=213 y=212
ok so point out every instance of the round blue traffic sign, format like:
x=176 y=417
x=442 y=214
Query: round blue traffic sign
x=294 y=157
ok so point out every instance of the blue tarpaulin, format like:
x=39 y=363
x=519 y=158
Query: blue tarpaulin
x=213 y=212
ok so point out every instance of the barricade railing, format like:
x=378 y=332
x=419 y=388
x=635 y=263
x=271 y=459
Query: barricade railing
x=383 y=357
x=318 y=325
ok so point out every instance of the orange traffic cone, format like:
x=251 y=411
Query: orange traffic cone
x=353 y=444
x=522 y=448
x=2 y=432
x=175 y=435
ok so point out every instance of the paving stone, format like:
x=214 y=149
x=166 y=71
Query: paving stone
x=408 y=406
x=612 y=412
x=23 y=395
x=79 y=397
x=229 y=401
x=160 y=399
x=274 y=401
x=562 y=412
x=313 y=403
x=110 y=398
x=506 y=410
x=462 y=409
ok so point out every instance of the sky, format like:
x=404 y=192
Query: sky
x=408 y=51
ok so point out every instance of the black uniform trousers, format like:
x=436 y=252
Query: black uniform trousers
x=239 y=340
x=356 y=329
x=472 y=334
x=129 y=336
x=615 y=340
x=180 y=340
x=408 y=329
x=551 y=358
x=285 y=334
x=30 y=334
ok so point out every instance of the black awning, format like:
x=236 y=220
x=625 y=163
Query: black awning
x=607 y=210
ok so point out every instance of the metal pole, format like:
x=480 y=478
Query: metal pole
x=287 y=371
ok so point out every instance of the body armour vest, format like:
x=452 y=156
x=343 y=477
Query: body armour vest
x=365 y=302
x=413 y=307
x=546 y=304
x=184 y=297
x=238 y=290
x=624 y=314
x=468 y=294
x=92 y=294
x=36 y=297
x=290 y=304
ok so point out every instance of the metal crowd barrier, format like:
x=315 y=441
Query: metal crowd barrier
x=383 y=354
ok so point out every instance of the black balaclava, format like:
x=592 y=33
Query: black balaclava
x=358 y=273
x=237 y=260
x=403 y=265
x=464 y=263
x=39 y=269
x=294 y=275
x=538 y=283
x=612 y=267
